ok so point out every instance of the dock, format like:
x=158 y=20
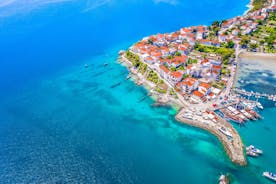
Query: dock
x=270 y=97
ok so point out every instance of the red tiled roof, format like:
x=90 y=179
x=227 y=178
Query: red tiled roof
x=176 y=74
x=198 y=94
x=165 y=69
x=205 y=85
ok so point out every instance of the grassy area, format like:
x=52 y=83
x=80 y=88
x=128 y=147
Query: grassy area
x=258 y=4
x=134 y=58
x=192 y=61
x=153 y=77
x=159 y=90
x=142 y=68
x=225 y=53
x=219 y=85
x=265 y=36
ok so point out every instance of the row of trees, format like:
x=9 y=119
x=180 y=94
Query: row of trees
x=133 y=58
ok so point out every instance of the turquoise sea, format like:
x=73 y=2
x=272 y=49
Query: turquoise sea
x=62 y=123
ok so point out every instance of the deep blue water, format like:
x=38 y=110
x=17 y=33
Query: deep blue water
x=62 y=123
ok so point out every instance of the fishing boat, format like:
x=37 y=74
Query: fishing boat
x=253 y=149
x=270 y=176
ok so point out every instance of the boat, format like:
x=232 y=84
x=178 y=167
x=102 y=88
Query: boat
x=253 y=113
x=225 y=132
x=270 y=176
x=251 y=153
x=248 y=115
x=253 y=149
x=223 y=179
x=128 y=77
x=259 y=105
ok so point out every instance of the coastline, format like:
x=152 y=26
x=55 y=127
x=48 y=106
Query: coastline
x=234 y=148
x=269 y=56
x=222 y=129
x=249 y=6
x=149 y=87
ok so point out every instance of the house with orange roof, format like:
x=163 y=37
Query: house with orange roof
x=215 y=75
x=164 y=72
x=188 y=85
x=273 y=8
x=198 y=97
x=183 y=50
x=204 y=88
x=185 y=30
x=149 y=60
x=216 y=68
x=176 y=77
x=222 y=37
x=165 y=51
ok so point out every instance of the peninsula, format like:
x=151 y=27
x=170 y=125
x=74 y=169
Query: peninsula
x=195 y=67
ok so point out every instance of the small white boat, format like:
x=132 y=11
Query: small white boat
x=253 y=149
x=251 y=153
x=270 y=176
x=259 y=105
x=223 y=179
x=128 y=77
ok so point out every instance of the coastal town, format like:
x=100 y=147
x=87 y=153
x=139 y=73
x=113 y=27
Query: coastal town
x=195 y=68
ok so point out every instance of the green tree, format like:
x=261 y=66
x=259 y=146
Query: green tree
x=178 y=53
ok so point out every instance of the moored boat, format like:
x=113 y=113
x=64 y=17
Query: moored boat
x=253 y=149
x=259 y=105
x=270 y=175
x=251 y=154
x=128 y=77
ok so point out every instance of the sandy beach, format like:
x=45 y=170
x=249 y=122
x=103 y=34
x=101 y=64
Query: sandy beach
x=262 y=61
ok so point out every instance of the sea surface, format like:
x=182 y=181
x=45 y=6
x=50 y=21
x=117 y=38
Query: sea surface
x=61 y=122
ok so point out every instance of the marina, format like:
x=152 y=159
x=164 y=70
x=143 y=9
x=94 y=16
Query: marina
x=257 y=95
x=239 y=110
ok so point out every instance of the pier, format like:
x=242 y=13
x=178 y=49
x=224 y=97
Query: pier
x=219 y=127
x=270 y=97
